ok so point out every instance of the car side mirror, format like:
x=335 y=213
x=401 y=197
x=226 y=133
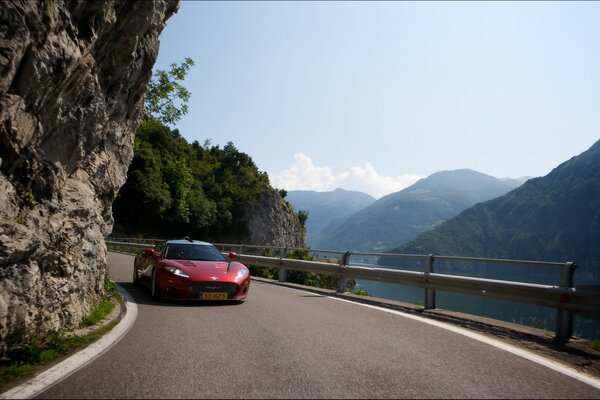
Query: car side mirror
x=151 y=252
x=232 y=255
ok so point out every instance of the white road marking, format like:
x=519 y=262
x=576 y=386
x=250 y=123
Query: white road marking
x=558 y=367
x=60 y=371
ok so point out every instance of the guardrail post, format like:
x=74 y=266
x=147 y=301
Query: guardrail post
x=564 y=318
x=429 y=293
x=343 y=281
x=282 y=271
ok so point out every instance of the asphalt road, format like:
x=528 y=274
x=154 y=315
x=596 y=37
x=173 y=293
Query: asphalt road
x=285 y=343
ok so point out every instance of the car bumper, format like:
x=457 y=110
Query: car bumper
x=185 y=289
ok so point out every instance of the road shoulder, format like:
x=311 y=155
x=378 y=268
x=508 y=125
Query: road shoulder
x=49 y=375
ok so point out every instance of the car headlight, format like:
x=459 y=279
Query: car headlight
x=177 y=271
x=241 y=273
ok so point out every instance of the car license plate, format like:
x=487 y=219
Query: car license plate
x=213 y=296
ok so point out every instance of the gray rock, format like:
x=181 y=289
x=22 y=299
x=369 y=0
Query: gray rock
x=273 y=222
x=73 y=77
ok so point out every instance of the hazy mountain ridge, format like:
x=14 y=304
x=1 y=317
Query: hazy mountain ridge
x=516 y=181
x=552 y=218
x=399 y=217
x=325 y=207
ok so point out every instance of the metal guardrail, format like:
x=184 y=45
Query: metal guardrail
x=131 y=245
x=564 y=297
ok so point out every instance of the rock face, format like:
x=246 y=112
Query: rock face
x=272 y=222
x=73 y=77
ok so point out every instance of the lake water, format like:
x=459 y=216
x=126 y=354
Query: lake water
x=524 y=314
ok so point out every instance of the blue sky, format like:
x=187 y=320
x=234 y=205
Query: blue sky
x=372 y=96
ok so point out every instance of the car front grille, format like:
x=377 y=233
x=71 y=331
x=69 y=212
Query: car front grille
x=213 y=287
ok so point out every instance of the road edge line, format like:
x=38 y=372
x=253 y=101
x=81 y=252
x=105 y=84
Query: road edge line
x=546 y=362
x=523 y=353
x=62 y=370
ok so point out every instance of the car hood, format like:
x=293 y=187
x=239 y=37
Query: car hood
x=213 y=267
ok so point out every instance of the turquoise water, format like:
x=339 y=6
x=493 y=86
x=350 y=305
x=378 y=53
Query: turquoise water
x=524 y=314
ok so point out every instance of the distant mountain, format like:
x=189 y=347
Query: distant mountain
x=401 y=216
x=516 y=181
x=553 y=218
x=325 y=207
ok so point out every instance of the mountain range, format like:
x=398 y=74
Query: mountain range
x=552 y=218
x=399 y=217
x=326 y=207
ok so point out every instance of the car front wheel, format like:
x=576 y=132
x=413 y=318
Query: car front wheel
x=154 y=288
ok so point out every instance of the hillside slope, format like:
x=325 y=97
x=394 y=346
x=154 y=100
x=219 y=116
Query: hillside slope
x=401 y=216
x=553 y=218
x=325 y=207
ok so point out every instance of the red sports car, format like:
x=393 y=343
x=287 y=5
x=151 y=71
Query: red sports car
x=191 y=270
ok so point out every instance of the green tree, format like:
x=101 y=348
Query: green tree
x=145 y=196
x=180 y=180
x=203 y=211
x=175 y=188
x=303 y=217
x=166 y=99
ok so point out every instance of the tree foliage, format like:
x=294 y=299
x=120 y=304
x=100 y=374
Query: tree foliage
x=177 y=188
x=166 y=99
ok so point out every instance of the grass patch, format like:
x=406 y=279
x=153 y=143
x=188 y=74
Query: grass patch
x=595 y=344
x=99 y=313
x=27 y=354
x=14 y=372
x=40 y=354
x=105 y=306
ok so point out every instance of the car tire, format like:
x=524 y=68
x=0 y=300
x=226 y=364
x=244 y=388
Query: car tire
x=136 y=279
x=154 y=287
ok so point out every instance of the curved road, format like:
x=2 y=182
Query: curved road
x=286 y=343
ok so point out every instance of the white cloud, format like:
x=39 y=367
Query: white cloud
x=303 y=174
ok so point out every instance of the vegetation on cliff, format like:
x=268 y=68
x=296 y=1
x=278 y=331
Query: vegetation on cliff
x=175 y=188
x=72 y=86
x=28 y=352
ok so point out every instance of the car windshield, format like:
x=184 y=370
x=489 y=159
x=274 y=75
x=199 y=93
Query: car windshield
x=194 y=252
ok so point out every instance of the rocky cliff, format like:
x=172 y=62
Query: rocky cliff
x=273 y=222
x=73 y=77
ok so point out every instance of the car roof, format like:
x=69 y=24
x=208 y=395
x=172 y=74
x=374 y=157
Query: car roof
x=183 y=241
